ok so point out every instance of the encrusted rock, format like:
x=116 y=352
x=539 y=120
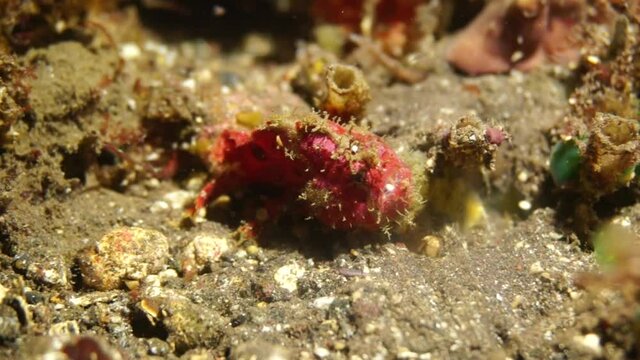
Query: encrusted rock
x=50 y=272
x=287 y=276
x=69 y=327
x=158 y=347
x=202 y=251
x=431 y=246
x=188 y=325
x=124 y=254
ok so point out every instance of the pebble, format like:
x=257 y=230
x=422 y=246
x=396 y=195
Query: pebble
x=259 y=349
x=50 y=272
x=70 y=327
x=323 y=302
x=340 y=345
x=130 y=51
x=431 y=246
x=287 y=276
x=406 y=354
x=524 y=205
x=32 y=297
x=189 y=84
x=202 y=251
x=93 y=298
x=122 y=255
x=188 y=325
x=321 y=352
x=159 y=206
x=179 y=199
x=536 y=268
x=590 y=343
x=158 y=347
x=253 y=250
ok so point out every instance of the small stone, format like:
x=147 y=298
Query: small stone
x=406 y=354
x=131 y=104
x=189 y=84
x=258 y=45
x=130 y=51
x=523 y=176
x=202 y=251
x=323 y=302
x=260 y=349
x=158 y=347
x=188 y=325
x=370 y=328
x=321 y=352
x=32 y=297
x=555 y=236
x=167 y=274
x=3 y=292
x=198 y=354
x=593 y=59
x=93 y=298
x=70 y=327
x=50 y=272
x=132 y=284
x=123 y=254
x=517 y=302
x=339 y=345
x=431 y=246
x=253 y=250
x=179 y=199
x=536 y=268
x=524 y=205
x=159 y=206
x=590 y=343
x=287 y=276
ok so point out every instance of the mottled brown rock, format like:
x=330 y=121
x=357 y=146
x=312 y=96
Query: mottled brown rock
x=128 y=253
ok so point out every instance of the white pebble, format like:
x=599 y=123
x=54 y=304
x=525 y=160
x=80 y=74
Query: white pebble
x=189 y=84
x=287 y=276
x=205 y=249
x=129 y=51
x=158 y=206
x=323 y=302
x=407 y=355
x=523 y=176
x=3 y=292
x=536 y=268
x=524 y=205
x=321 y=352
x=131 y=104
x=589 y=342
x=178 y=199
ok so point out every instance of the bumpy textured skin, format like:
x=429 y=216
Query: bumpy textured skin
x=345 y=177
